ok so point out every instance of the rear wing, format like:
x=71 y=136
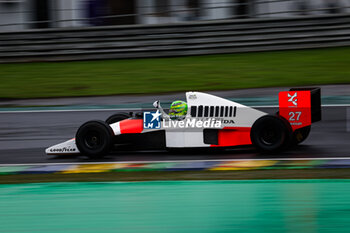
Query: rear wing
x=300 y=106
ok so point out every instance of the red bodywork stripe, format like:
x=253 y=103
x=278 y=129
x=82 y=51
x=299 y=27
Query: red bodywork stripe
x=233 y=136
x=131 y=126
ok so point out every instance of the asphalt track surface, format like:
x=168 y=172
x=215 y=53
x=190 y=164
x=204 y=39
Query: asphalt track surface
x=25 y=135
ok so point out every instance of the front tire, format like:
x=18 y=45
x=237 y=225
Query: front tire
x=270 y=134
x=94 y=139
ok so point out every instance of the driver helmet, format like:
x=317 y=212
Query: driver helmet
x=178 y=109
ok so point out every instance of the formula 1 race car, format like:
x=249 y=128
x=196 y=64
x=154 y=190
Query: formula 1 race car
x=210 y=121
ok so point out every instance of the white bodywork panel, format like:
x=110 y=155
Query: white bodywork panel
x=67 y=147
x=189 y=137
x=245 y=116
x=116 y=128
x=178 y=139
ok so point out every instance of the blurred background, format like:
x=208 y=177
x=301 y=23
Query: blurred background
x=52 y=30
x=31 y=14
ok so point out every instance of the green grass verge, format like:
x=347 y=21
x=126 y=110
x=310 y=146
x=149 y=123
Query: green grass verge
x=339 y=173
x=141 y=76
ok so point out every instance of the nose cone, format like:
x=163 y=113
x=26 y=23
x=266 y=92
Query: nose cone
x=68 y=147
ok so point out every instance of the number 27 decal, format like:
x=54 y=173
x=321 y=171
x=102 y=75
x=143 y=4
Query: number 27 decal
x=293 y=116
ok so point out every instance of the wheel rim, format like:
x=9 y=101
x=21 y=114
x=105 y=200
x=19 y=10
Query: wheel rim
x=92 y=139
x=270 y=135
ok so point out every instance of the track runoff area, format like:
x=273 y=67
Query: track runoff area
x=177 y=206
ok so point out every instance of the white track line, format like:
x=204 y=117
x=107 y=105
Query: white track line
x=173 y=161
x=74 y=110
x=137 y=109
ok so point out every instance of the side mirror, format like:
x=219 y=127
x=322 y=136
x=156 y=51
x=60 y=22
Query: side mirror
x=156 y=104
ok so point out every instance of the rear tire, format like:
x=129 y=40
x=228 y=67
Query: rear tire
x=117 y=117
x=271 y=134
x=94 y=139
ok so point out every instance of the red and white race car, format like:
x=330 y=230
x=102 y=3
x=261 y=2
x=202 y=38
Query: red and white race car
x=210 y=121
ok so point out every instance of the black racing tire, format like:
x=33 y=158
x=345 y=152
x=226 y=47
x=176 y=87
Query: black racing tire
x=271 y=134
x=301 y=134
x=94 y=139
x=117 y=117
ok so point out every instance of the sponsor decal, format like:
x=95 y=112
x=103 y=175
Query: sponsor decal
x=227 y=122
x=293 y=98
x=63 y=149
x=151 y=120
x=192 y=97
